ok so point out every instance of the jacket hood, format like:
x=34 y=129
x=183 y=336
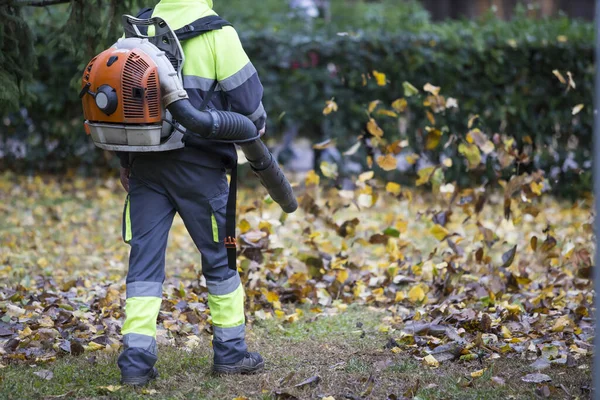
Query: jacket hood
x=182 y=12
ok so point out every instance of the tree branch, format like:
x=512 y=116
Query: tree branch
x=33 y=3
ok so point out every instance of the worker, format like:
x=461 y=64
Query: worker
x=193 y=182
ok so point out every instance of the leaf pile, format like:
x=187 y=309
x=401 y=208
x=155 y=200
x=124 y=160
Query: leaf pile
x=459 y=280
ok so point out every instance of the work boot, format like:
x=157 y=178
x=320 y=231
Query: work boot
x=142 y=380
x=250 y=364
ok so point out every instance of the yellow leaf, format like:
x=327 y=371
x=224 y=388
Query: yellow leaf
x=424 y=175
x=374 y=129
x=373 y=105
x=559 y=76
x=439 y=232
x=416 y=294
x=109 y=388
x=312 y=178
x=387 y=162
x=577 y=109
x=330 y=106
x=409 y=90
x=365 y=176
x=42 y=262
x=537 y=187
x=434 y=90
x=478 y=374
x=433 y=138
x=430 y=117
x=93 y=346
x=399 y=296
x=393 y=188
x=471 y=153
x=400 y=105
x=396 y=350
x=380 y=77
x=387 y=113
x=430 y=361
x=271 y=296
x=561 y=323
x=472 y=120
x=412 y=158
x=329 y=170
x=342 y=276
x=506 y=333
x=245 y=225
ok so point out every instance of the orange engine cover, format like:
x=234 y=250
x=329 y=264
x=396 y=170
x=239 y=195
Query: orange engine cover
x=134 y=76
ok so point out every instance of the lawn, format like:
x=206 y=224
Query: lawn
x=344 y=356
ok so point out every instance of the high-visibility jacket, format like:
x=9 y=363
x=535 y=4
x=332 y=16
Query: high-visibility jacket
x=214 y=56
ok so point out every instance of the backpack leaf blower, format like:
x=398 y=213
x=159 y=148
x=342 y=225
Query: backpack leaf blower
x=134 y=101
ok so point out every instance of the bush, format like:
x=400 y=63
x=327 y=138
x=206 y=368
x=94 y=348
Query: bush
x=498 y=70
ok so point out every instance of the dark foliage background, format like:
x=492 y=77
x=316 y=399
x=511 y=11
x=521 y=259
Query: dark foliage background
x=501 y=71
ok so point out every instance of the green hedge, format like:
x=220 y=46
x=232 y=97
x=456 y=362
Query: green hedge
x=500 y=71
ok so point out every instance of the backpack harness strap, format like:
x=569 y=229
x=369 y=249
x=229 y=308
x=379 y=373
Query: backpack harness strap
x=197 y=28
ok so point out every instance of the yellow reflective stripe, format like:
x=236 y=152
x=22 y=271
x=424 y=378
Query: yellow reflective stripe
x=215 y=228
x=128 y=234
x=140 y=315
x=227 y=311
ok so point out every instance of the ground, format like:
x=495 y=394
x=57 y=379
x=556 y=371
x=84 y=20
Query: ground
x=346 y=351
x=380 y=292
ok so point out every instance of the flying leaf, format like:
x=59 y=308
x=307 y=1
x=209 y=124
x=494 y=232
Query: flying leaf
x=330 y=106
x=373 y=105
x=387 y=162
x=409 y=90
x=393 y=188
x=352 y=150
x=509 y=257
x=312 y=179
x=560 y=77
x=365 y=176
x=577 y=109
x=400 y=105
x=433 y=138
x=425 y=175
x=434 y=90
x=380 y=78
x=471 y=153
x=387 y=113
x=323 y=145
x=472 y=120
x=330 y=170
x=374 y=129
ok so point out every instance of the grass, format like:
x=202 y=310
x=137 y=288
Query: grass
x=346 y=351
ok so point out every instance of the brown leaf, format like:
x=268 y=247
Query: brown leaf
x=313 y=381
x=509 y=257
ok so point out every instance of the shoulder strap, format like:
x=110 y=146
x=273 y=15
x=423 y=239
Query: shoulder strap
x=144 y=13
x=201 y=26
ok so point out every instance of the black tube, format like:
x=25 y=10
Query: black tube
x=229 y=126
x=271 y=176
